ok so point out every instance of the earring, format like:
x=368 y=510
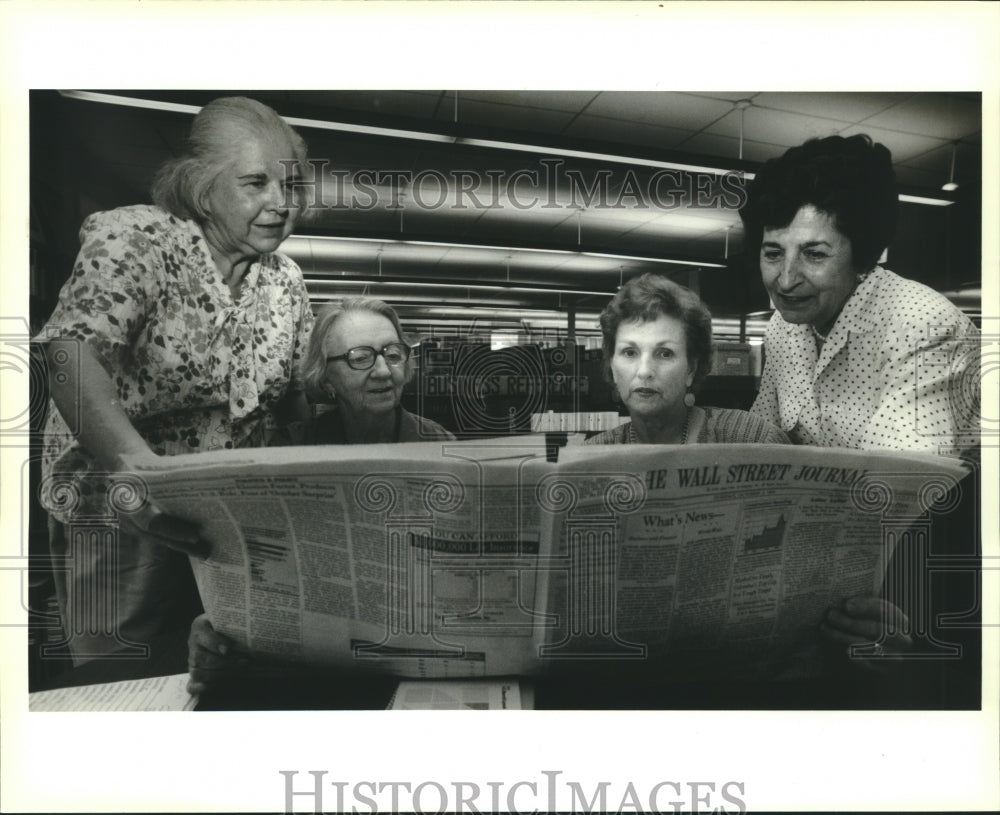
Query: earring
x=689 y=399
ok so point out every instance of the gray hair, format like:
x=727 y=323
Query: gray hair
x=181 y=183
x=314 y=364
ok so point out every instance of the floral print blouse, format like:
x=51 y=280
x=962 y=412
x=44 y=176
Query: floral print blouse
x=195 y=368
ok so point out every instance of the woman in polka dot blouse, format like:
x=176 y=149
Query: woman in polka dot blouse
x=855 y=356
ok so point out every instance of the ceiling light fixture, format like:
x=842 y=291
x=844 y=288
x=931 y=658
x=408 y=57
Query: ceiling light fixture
x=951 y=186
x=295 y=242
x=416 y=135
x=741 y=105
x=931 y=202
x=320 y=280
x=295 y=121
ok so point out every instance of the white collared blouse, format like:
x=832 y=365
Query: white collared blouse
x=899 y=370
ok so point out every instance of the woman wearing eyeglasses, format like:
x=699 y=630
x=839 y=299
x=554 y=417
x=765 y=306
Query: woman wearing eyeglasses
x=358 y=361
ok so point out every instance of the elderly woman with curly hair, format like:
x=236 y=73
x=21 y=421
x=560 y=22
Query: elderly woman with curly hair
x=358 y=361
x=187 y=329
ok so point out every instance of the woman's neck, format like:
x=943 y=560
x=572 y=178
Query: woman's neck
x=369 y=429
x=232 y=266
x=666 y=429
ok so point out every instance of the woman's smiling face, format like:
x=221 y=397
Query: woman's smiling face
x=248 y=204
x=375 y=391
x=807 y=269
x=650 y=366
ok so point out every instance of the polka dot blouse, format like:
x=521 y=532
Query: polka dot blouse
x=899 y=370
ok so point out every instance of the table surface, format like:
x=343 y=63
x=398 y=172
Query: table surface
x=579 y=686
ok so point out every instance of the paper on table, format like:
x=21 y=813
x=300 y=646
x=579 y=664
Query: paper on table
x=457 y=694
x=154 y=693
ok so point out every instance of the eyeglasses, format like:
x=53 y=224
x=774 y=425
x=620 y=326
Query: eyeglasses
x=363 y=357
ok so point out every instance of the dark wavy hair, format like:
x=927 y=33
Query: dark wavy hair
x=645 y=298
x=850 y=179
x=181 y=184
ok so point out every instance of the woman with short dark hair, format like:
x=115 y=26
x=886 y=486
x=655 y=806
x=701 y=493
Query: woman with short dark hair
x=856 y=356
x=657 y=342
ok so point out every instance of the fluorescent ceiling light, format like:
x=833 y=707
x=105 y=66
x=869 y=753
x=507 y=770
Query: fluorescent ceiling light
x=919 y=199
x=295 y=121
x=653 y=260
x=417 y=135
x=416 y=284
x=295 y=241
x=130 y=101
x=592 y=156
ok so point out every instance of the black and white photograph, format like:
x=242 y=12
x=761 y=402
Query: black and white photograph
x=654 y=407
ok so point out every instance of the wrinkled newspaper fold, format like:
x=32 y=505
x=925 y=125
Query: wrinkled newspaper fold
x=482 y=558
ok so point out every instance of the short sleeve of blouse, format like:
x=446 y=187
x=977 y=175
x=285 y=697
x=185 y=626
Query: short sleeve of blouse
x=929 y=377
x=104 y=301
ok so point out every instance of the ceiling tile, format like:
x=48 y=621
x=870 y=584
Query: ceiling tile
x=902 y=145
x=941 y=115
x=660 y=108
x=512 y=117
x=847 y=107
x=600 y=128
x=726 y=147
x=968 y=160
x=775 y=126
x=416 y=104
x=728 y=96
x=569 y=101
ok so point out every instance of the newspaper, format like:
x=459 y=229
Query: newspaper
x=151 y=694
x=458 y=694
x=477 y=559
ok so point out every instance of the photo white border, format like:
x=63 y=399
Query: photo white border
x=225 y=762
